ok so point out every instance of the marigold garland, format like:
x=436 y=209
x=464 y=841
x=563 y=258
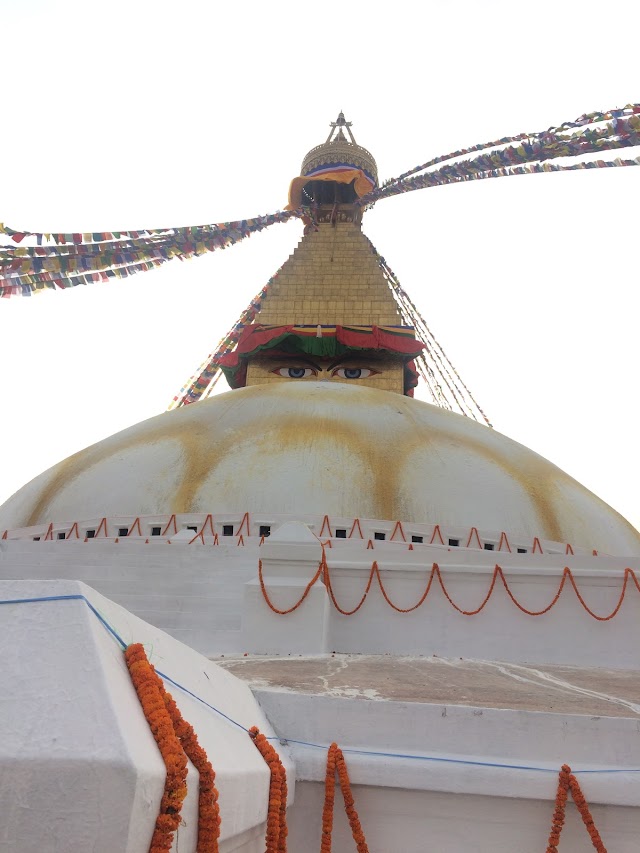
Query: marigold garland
x=435 y=574
x=145 y=681
x=302 y=598
x=177 y=741
x=329 y=799
x=276 y=838
x=208 y=808
x=336 y=763
x=567 y=782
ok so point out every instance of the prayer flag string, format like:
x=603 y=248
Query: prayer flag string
x=31 y=261
x=77 y=259
x=572 y=139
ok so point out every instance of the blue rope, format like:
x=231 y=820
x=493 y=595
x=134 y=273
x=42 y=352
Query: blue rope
x=101 y=618
x=350 y=751
x=212 y=707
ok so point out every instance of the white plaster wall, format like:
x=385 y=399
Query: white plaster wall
x=192 y=592
x=566 y=634
x=71 y=773
x=501 y=631
x=414 y=821
x=79 y=769
x=415 y=805
x=460 y=734
x=196 y=593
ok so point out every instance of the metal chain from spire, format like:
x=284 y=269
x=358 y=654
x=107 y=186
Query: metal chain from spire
x=433 y=365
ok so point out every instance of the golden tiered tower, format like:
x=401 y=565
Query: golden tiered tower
x=329 y=313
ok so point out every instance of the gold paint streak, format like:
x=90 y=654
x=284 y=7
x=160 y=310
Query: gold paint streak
x=297 y=432
x=381 y=462
x=536 y=482
x=178 y=426
x=198 y=443
x=48 y=492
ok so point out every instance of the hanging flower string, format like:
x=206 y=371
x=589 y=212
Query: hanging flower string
x=337 y=764
x=567 y=782
x=435 y=575
x=177 y=741
x=276 y=838
x=208 y=809
x=145 y=681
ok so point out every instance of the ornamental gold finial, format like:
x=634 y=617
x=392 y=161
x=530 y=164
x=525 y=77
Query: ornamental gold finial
x=338 y=124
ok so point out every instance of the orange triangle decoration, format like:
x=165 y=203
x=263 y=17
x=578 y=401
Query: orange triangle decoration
x=395 y=530
x=436 y=529
x=326 y=523
x=175 y=526
x=504 y=538
x=474 y=532
x=356 y=523
x=567 y=783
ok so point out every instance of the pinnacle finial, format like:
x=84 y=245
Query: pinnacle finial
x=338 y=124
x=341 y=121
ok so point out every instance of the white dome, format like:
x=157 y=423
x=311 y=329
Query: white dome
x=320 y=447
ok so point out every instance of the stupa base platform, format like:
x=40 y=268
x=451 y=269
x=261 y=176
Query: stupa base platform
x=446 y=681
x=463 y=752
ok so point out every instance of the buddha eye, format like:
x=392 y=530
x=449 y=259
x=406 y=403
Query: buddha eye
x=354 y=372
x=295 y=372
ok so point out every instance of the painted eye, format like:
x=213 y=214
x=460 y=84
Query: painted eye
x=354 y=372
x=295 y=372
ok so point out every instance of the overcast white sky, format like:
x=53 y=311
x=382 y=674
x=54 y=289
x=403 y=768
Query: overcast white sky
x=135 y=114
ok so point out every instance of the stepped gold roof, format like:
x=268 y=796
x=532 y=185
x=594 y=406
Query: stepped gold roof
x=332 y=278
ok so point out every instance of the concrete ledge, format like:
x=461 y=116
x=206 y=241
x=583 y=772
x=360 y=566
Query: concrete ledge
x=459 y=734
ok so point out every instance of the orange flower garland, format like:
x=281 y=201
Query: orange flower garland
x=176 y=740
x=145 y=681
x=336 y=763
x=208 y=809
x=276 y=839
x=329 y=799
x=567 y=782
x=304 y=594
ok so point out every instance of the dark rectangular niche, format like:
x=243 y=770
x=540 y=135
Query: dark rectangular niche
x=418 y=539
x=227 y=529
x=341 y=533
x=454 y=543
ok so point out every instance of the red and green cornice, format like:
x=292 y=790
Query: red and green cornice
x=321 y=342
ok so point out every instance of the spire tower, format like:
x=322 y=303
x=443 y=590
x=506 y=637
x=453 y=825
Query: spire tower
x=329 y=313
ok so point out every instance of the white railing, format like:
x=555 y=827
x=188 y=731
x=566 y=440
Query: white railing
x=205 y=528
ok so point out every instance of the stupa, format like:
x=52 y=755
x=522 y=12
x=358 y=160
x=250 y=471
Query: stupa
x=456 y=612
